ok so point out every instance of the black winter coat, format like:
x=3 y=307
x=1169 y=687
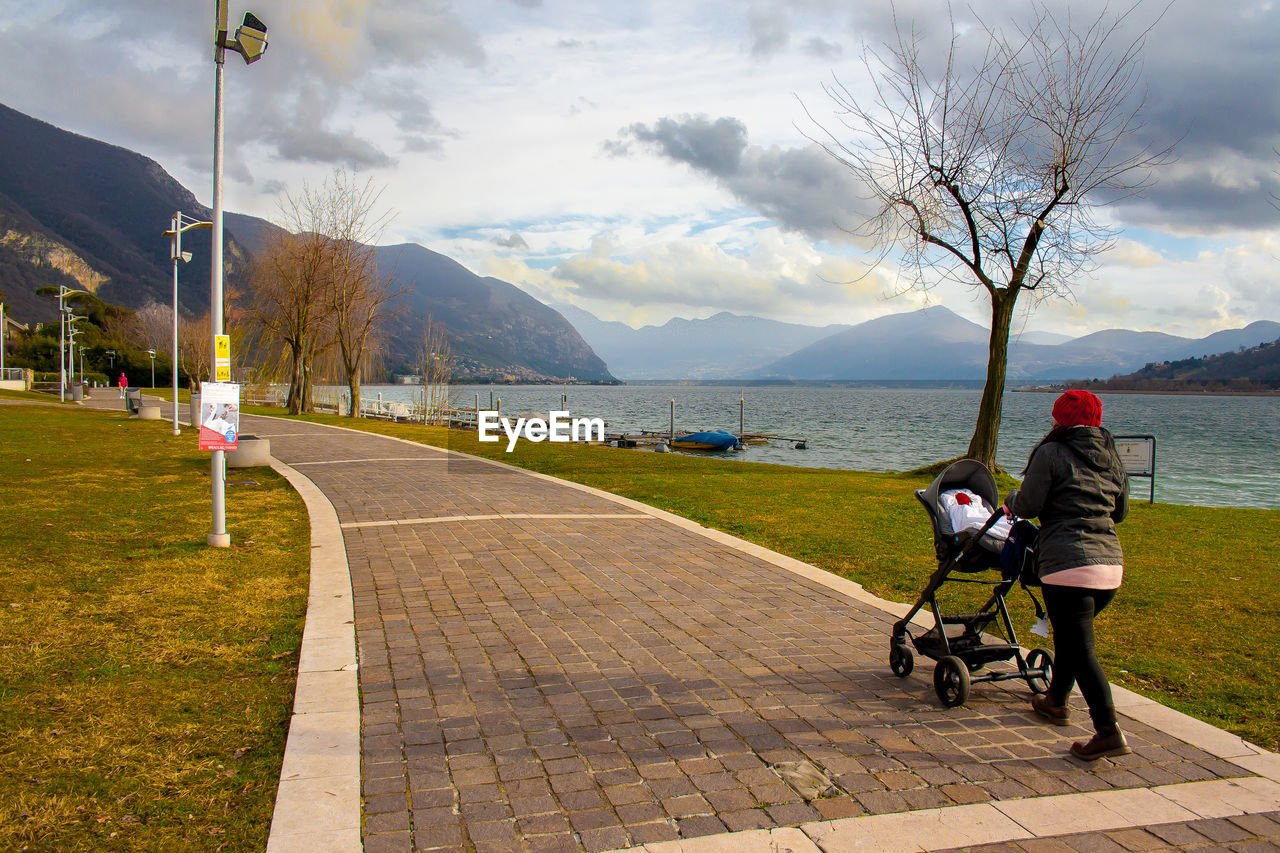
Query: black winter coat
x=1076 y=485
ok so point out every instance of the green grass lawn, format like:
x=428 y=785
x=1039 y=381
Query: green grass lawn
x=145 y=679
x=1193 y=627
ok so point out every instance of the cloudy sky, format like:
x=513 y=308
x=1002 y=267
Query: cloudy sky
x=653 y=159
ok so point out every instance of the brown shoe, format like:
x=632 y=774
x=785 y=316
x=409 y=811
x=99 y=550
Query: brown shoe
x=1059 y=715
x=1101 y=746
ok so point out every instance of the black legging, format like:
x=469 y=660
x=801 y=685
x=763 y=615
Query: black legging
x=1071 y=611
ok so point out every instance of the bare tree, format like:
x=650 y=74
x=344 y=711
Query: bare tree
x=194 y=353
x=319 y=286
x=991 y=173
x=359 y=295
x=153 y=324
x=291 y=283
x=435 y=366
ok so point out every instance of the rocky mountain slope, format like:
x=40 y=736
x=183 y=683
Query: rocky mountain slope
x=89 y=215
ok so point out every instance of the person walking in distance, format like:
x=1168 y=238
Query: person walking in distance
x=1075 y=483
x=124 y=384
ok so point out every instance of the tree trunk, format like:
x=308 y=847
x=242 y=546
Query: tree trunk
x=353 y=386
x=986 y=432
x=308 y=402
x=296 y=396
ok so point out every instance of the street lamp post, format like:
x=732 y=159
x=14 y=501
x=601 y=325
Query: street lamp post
x=177 y=225
x=63 y=293
x=152 y=353
x=111 y=355
x=62 y=354
x=72 y=332
x=250 y=41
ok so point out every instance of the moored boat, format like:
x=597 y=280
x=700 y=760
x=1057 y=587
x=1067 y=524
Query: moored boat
x=709 y=440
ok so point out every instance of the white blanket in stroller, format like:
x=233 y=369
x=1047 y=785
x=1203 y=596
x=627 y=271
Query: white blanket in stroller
x=966 y=511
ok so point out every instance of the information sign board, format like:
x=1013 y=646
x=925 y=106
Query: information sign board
x=1138 y=453
x=222 y=358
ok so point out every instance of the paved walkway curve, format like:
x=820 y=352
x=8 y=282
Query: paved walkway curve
x=545 y=667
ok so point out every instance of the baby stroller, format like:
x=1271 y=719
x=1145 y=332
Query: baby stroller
x=962 y=556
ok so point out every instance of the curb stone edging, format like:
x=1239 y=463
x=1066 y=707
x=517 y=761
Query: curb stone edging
x=318 y=805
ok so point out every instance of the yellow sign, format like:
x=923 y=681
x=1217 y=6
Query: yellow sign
x=221 y=358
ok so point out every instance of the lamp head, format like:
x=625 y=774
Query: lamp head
x=251 y=38
x=183 y=256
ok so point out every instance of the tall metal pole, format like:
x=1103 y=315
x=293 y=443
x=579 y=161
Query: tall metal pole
x=177 y=256
x=218 y=537
x=62 y=347
x=2 y=331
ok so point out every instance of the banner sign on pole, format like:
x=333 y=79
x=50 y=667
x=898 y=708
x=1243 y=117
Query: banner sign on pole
x=219 y=416
x=222 y=358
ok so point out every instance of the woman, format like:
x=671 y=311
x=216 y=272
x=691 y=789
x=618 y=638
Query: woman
x=1075 y=484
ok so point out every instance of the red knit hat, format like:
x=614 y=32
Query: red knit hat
x=1078 y=408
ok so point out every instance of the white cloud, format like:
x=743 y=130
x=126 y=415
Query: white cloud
x=484 y=120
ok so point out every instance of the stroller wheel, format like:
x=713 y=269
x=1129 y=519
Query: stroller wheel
x=901 y=660
x=951 y=681
x=1040 y=659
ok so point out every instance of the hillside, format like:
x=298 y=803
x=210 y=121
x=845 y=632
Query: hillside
x=935 y=343
x=496 y=330
x=1248 y=369
x=83 y=213
x=89 y=215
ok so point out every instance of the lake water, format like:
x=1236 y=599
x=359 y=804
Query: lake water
x=1211 y=451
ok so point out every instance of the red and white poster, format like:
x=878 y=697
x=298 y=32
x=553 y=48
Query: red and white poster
x=219 y=415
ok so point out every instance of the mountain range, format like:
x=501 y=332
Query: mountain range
x=88 y=215
x=936 y=343
x=929 y=344
x=725 y=346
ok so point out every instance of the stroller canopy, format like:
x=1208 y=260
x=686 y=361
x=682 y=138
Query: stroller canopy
x=966 y=474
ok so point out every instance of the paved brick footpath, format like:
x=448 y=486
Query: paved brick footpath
x=585 y=682
x=545 y=669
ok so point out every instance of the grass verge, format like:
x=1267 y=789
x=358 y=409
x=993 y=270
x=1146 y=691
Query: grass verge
x=145 y=679
x=1193 y=627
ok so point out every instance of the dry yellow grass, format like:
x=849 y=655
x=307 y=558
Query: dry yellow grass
x=145 y=679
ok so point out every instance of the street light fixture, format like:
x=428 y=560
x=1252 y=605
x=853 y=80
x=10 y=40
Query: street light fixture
x=152 y=353
x=111 y=354
x=177 y=225
x=72 y=332
x=62 y=293
x=250 y=41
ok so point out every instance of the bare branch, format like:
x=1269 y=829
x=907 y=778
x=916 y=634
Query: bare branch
x=991 y=171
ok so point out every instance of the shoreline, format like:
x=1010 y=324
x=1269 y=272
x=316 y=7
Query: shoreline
x=1167 y=393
